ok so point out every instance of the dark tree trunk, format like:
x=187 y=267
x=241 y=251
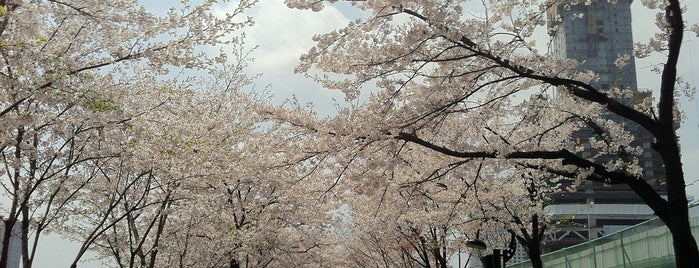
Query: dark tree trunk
x=686 y=253
x=677 y=218
x=531 y=240
x=535 y=258
x=534 y=247
x=677 y=215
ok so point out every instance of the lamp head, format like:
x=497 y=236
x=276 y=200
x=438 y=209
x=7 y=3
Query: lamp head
x=476 y=244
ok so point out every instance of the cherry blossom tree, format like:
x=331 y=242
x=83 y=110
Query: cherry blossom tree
x=433 y=215
x=466 y=80
x=400 y=247
x=516 y=203
x=199 y=184
x=403 y=220
x=404 y=205
x=67 y=68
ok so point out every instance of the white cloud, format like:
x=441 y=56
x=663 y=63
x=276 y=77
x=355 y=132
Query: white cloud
x=282 y=35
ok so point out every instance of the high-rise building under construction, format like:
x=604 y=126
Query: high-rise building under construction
x=597 y=33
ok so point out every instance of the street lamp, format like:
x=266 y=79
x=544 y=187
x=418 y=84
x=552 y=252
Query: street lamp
x=476 y=244
x=499 y=256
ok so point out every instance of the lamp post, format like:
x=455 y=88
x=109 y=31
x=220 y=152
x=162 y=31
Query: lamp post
x=499 y=256
x=589 y=225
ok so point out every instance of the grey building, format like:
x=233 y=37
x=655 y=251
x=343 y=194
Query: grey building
x=597 y=33
x=15 y=251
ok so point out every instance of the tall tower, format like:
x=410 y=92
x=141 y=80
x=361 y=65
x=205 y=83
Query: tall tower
x=597 y=33
x=15 y=249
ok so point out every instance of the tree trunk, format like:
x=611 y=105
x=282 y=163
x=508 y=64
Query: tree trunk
x=677 y=214
x=532 y=241
x=535 y=255
x=677 y=221
x=686 y=253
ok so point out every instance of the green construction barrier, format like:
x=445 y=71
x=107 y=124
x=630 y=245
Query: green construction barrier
x=647 y=244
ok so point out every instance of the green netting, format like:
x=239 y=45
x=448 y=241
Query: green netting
x=647 y=244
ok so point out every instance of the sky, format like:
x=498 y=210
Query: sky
x=282 y=35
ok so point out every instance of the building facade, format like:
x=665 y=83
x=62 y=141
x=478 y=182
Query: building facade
x=598 y=33
x=15 y=250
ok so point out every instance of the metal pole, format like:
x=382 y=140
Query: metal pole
x=459 y=257
x=589 y=221
x=497 y=258
x=589 y=233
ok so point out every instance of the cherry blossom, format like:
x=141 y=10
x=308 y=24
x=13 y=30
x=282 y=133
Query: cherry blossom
x=466 y=81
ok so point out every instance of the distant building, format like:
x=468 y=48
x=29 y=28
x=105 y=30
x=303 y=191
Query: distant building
x=15 y=250
x=598 y=33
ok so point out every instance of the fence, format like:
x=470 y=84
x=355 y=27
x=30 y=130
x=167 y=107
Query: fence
x=647 y=244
